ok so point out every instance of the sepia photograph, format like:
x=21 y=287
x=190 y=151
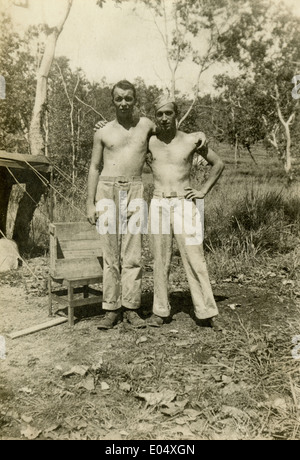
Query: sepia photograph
x=150 y=222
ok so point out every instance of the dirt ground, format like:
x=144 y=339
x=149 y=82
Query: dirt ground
x=239 y=381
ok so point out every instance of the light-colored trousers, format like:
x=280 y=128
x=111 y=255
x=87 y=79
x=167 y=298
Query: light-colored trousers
x=185 y=219
x=122 y=250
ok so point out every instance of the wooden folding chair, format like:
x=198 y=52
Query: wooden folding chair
x=75 y=263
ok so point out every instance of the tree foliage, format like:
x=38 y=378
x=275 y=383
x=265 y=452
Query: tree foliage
x=17 y=66
x=265 y=42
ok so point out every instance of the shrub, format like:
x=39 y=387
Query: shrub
x=257 y=221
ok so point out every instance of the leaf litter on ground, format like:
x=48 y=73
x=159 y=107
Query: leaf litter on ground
x=159 y=398
x=87 y=383
x=30 y=432
x=77 y=370
x=125 y=386
x=174 y=408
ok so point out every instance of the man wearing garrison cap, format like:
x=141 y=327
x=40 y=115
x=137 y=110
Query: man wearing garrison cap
x=172 y=152
x=164 y=99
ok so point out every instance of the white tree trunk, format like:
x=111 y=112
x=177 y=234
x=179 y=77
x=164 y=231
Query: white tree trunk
x=286 y=125
x=288 y=156
x=36 y=137
x=236 y=148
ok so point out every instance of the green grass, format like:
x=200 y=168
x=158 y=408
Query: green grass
x=252 y=215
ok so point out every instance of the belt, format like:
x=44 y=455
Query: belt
x=121 y=178
x=167 y=194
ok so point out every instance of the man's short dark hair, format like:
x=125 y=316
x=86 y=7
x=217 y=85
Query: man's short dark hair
x=125 y=85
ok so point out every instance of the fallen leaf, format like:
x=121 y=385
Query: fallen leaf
x=184 y=430
x=104 y=386
x=279 y=404
x=171 y=410
x=13 y=414
x=175 y=408
x=51 y=428
x=216 y=377
x=88 y=383
x=288 y=282
x=232 y=388
x=141 y=340
x=124 y=433
x=233 y=306
x=26 y=419
x=145 y=427
x=30 y=432
x=173 y=331
x=125 y=386
x=71 y=422
x=181 y=420
x=236 y=413
x=188 y=388
x=26 y=390
x=192 y=414
x=162 y=398
x=81 y=425
x=198 y=426
x=226 y=379
x=182 y=343
x=76 y=370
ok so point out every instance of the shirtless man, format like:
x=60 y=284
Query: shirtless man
x=121 y=145
x=172 y=153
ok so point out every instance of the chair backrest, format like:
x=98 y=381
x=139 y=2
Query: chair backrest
x=75 y=250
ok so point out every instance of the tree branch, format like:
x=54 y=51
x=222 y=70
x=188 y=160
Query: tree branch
x=64 y=84
x=90 y=107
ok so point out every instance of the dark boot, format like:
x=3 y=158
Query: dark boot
x=110 y=319
x=155 y=321
x=134 y=319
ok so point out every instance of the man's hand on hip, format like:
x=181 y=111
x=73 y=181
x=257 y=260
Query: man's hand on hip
x=193 y=194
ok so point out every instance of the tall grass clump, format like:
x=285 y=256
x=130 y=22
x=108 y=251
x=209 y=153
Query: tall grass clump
x=259 y=222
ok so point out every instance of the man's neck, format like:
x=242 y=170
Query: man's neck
x=126 y=122
x=167 y=136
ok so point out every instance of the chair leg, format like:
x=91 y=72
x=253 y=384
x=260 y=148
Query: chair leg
x=50 y=296
x=85 y=292
x=71 y=306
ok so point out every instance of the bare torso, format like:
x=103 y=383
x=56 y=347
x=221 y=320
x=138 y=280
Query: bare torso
x=171 y=163
x=124 y=150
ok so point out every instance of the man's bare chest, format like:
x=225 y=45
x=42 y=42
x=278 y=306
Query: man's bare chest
x=173 y=153
x=121 y=139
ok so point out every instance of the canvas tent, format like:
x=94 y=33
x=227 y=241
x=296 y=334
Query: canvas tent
x=22 y=169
